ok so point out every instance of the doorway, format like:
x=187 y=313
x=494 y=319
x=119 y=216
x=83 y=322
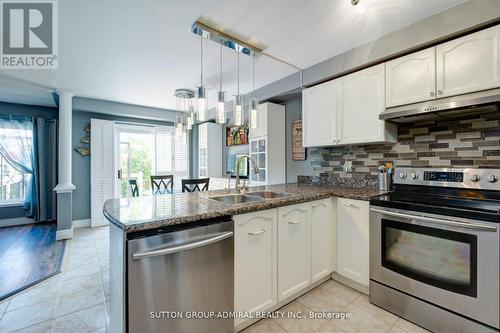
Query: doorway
x=142 y=151
x=135 y=159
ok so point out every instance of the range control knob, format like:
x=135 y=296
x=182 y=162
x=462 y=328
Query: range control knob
x=492 y=178
x=402 y=175
x=475 y=178
x=414 y=175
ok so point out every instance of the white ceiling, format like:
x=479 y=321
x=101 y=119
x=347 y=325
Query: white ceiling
x=139 y=52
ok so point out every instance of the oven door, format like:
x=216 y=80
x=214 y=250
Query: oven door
x=450 y=262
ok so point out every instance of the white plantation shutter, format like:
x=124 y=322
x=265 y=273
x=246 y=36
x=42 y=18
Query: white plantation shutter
x=181 y=165
x=163 y=151
x=171 y=155
x=102 y=172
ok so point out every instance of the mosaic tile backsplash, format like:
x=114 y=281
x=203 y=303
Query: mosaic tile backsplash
x=470 y=142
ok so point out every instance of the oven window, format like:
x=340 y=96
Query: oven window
x=442 y=258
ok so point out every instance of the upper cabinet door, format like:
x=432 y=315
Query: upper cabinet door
x=319 y=115
x=470 y=63
x=361 y=100
x=411 y=79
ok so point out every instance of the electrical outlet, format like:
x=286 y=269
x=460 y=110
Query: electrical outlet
x=348 y=166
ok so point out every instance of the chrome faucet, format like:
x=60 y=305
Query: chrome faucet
x=237 y=186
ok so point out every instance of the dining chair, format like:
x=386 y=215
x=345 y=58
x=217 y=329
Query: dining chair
x=162 y=184
x=134 y=188
x=193 y=185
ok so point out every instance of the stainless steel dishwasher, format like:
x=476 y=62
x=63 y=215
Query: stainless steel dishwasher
x=177 y=279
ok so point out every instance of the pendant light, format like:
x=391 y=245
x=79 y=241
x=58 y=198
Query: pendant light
x=184 y=117
x=254 y=102
x=221 y=96
x=190 y=118
x=238 y=108
x=201 y=92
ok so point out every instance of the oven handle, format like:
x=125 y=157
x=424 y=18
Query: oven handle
x=473 y=226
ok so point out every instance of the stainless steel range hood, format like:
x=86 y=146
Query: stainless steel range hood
x=445 y=108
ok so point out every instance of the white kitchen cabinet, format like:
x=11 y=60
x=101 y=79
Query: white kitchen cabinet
x=267 y=147
x=411 y=79
x=319 y=115
x=322 y=222
x=361 y=99
x=209 y=150
x=353 y=240
x=255 y=281
x=293 y=249
x=470 y=63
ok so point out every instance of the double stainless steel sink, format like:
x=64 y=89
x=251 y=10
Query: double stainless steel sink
x=251 y=197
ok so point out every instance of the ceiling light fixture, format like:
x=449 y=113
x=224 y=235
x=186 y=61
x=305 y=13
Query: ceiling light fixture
x=232 y=42
x=254 y=102
x=184 y=123
x=201 y=92
x=221 y=96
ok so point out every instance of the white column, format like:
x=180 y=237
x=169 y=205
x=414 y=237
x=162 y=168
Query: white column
x=65 y=124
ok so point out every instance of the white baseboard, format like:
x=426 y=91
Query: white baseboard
x=81 y=223
x=64 y=234
x=99 y=224
x=15 y=221
x=348 y=282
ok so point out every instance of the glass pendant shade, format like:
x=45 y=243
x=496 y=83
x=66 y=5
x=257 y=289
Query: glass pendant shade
x=238 y=111
x=221 y=105
x=254 y=106
x=202 y=103
x=178 y=129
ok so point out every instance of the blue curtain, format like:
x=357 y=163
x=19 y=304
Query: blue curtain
x=45 y=168
x=30 y=146
x=16 y=146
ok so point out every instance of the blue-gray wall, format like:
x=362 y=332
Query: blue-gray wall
x=29 y=111
x=81 y=164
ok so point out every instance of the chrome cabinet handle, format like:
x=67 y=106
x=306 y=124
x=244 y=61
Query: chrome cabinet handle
x=213 y=238
x=255 y=233
x=317 y=205
x=432 y=94
x=466 y=225
x=294 y=222
x=440 y=92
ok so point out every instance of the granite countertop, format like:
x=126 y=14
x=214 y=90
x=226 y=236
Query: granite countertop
x=159 y=211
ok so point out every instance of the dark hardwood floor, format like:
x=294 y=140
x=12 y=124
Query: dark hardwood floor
x=28 y=254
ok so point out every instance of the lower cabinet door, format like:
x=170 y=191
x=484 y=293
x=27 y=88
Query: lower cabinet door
x=255 y=261
x=293 y=249
x=353 y=240
x=322 y=218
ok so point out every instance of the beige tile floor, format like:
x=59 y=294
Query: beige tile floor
x=77 y=300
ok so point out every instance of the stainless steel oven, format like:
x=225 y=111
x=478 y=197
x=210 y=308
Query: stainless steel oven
x=440 y=271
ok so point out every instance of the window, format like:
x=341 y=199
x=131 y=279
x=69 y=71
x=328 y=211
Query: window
x=13 y=183
x=172 y=155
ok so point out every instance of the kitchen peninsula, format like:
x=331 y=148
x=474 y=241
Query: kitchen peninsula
x=199 y=233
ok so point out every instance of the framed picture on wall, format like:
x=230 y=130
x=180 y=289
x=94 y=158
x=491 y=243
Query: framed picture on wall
x=298 y=151
x=237 y=135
